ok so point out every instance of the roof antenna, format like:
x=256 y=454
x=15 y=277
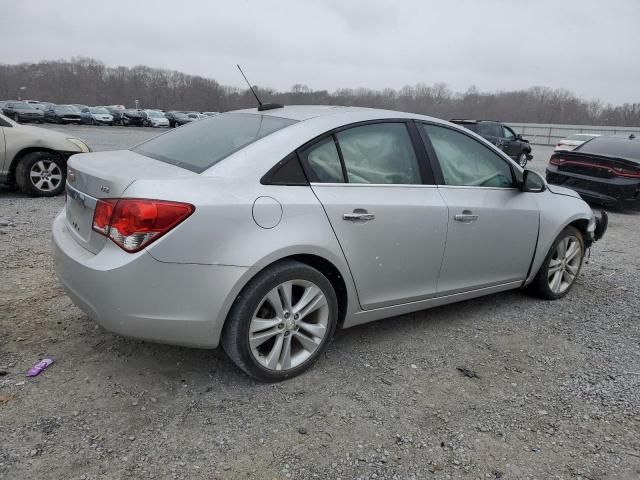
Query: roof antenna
x=261 y=106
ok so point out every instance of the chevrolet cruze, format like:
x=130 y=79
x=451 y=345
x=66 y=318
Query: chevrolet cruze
x=263 y=230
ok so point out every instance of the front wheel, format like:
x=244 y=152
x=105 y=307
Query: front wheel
x=522 y=159
x=281 y=322
x=41 y=174
x=561 y=265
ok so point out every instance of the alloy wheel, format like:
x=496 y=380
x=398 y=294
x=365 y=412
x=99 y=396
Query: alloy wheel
x=45 y=175
x=289 y=325
x=522 y=160
x=564 y=264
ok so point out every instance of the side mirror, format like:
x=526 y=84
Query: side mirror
x=518 y=136
x=532 y=182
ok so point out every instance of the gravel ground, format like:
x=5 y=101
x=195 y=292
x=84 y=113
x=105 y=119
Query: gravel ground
x=557 y=391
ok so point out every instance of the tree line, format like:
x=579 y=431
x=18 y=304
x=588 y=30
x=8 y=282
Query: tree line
x=91 y=82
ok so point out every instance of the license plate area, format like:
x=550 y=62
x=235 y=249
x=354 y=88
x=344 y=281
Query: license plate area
x=79 y=210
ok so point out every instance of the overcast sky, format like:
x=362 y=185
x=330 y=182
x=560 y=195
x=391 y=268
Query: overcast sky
x=590 y=47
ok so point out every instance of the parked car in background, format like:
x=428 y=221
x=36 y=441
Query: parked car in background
x=603 y=170
x=154 y=118
x=573 y=141
x=117 y=114
x=502 y=137
x=79 y=106
x=263 y=231
x=63 y=114
x=133 y=117
x=96 y=116
x=35 y=159
x=196 y=116
x=23 y=112
x=211 y=114
x=177 y=119
x=43 y=106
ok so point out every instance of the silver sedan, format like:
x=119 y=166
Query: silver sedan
x=264 y=230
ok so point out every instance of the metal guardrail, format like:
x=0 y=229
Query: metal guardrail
x=550 y=134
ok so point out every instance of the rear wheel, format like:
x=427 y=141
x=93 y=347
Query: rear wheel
x=561 y=266
x=282 y=322
x=41 y=174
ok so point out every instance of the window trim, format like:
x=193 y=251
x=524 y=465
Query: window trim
x=435 y=162
x=267 y=178
x=427 y=176
x=515 y=137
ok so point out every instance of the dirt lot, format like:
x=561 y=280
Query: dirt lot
x=557 y=393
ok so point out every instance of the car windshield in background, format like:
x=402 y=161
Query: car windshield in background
x=180 y=116
x=471 y=126
x=22 y=106
x=99 y=110
x=154 y=114
x=612 y=147
x=65 y=109
x=203 y=144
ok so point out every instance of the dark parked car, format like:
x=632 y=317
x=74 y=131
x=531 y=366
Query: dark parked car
x=23 y=112
x=62 y=114
x=604 y=170
x=118 y=116
x=42 y=106
x=177 y=118
x=502 y=137
x=133 y=117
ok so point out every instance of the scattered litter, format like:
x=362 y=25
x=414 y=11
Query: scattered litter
x=632 y=373
x=6 y=399
x=467 y=373
x=39 y=367
x=19 y=384
x=302 y=431
x=385 y=381
x=3 y=373
x=414 y=366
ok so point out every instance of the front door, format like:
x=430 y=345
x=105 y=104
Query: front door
x=390 y=225
x=493 y=227
x=512 y=146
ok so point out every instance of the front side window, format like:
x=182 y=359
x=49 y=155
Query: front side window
x=380 y=153
x=465 y=161
x=205 y=143
x=508 y=134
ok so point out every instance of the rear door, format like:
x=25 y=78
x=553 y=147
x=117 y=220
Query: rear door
x=377 y=190
x=493 y=226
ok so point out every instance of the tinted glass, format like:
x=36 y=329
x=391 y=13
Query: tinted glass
x=22 y=106
x=203 y=144
x=98 y=110
x=466 y=162
x=64 y=110
x=380 y=153
x=508 y=134
x=612 y=147
x=486 y=128
x=324 y=162
x=470 y=126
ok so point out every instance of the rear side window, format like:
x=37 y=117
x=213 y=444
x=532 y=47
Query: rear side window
x=204 y=143
x=324 y=162
x=381 y=153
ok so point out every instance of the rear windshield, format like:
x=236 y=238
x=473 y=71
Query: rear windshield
x=582 y=137
x=612 y=147
x=202 y=144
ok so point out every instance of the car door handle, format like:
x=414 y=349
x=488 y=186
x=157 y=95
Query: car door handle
x=358 y=216
x=466 y=216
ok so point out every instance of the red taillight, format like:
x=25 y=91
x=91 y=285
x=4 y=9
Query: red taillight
x=626 y=172
x=133 y=223
x=556 y=161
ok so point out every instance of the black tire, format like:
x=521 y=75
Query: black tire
x=522 y=159
x=235 y=334
x=24 y=177
x=540 y=284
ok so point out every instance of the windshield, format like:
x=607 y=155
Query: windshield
x=65 y=109
x=203 y=144
x=98 y=110
x=154 y=114
x=22 y=106
x=612 y=147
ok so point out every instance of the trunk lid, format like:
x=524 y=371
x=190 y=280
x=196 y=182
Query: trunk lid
x=106 y=175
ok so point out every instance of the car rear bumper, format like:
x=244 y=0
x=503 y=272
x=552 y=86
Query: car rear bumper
x=621 y=193
x=137 y=296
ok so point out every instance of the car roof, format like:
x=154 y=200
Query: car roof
x=307 y=112
x=461 y=120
